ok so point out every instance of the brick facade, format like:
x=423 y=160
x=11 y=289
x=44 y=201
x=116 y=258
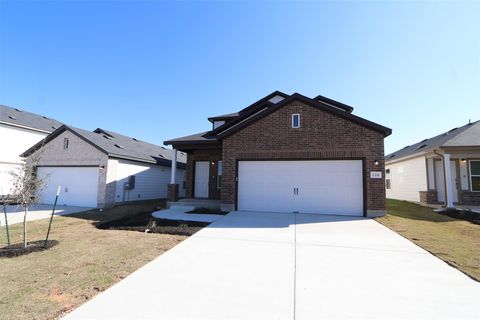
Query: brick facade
x=322 y=136
x=429 y=197
x=469 y=197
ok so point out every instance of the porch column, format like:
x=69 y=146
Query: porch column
x=172 y=188
x=173 y=171
x=448 y=181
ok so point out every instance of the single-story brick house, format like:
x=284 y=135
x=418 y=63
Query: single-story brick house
x=102 y=168
x=289 y=153
x=444 y=169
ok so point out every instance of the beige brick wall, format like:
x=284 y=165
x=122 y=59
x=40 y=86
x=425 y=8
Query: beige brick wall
x=321 y=136
x=79 y=153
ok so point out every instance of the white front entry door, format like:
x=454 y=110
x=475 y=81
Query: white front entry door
x=79 y=185
x=440 y=180
x=202 y=173
x=319 y=187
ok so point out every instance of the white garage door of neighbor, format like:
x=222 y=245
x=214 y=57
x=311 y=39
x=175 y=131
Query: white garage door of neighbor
x=79 y=185
x=319 y=187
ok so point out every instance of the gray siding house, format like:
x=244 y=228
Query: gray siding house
x=101 y=168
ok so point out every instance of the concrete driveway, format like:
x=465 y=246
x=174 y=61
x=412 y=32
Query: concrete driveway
x=284 y=266
x=37 y=212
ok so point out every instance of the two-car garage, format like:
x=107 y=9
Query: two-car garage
x=306 y=186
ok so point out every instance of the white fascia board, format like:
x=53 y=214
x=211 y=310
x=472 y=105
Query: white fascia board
x=25 y=127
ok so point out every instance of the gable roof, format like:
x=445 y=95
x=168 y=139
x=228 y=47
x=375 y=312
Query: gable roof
x=25 y=119
x=269 y=104
x=117 y=146
x=467 y=135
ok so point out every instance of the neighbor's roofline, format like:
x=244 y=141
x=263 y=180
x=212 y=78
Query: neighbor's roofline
x=24 y=127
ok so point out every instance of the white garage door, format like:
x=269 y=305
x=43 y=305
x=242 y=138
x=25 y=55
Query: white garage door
x=320 y=187
x=79 y=185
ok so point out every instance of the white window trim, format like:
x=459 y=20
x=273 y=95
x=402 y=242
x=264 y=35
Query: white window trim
x=299 y=123
x=472 y=175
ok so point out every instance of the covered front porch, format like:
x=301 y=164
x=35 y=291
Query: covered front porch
x=203 y=177
x=453 y=178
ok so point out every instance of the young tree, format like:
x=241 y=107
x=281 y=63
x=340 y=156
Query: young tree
x=5 y=199
x=26 y=187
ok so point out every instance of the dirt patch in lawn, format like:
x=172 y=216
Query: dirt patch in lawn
x=208 y=211
x=87 y=260
x=455 y=241
x=144 y=222
x=18 y=249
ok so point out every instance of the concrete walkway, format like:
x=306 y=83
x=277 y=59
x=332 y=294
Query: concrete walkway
x=286 y=266
x=41 y=211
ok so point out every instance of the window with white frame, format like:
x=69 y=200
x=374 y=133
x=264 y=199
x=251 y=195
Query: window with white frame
x=387 y=179
x=475 y=175
x=296 y=120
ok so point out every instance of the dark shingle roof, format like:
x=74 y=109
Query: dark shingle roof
x=266 y=105
x=118 y=146
x=440 y=140
x=195 y=138
x=27 y=119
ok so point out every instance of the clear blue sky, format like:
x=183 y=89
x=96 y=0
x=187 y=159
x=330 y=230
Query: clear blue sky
x=157 y=70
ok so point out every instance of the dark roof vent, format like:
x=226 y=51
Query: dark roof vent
x=18 y=110
x=421 y=147
x=54 y=128
x=12 y=117
x=118 y=146
x=134 y=139
x=453 y=129
x=45 y=117
x=423 y=140
x=406 y=147
x=390 y=157
x=107 y=137
x=161 y=156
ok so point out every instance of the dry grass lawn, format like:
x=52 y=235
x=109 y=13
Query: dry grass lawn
x=455 y=241
x=86 y=261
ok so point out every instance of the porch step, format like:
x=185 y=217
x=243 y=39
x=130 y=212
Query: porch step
x=194 y=204
x=184 y=208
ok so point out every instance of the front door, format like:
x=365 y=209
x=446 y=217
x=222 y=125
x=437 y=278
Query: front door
x=201 y=179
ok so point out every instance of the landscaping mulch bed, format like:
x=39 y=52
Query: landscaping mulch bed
x=144 y=222
x=207 y=211
x=473 y=217
x=17 y=249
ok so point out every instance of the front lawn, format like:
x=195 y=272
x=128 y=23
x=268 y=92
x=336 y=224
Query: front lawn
x=455 y=241
x=86 y=261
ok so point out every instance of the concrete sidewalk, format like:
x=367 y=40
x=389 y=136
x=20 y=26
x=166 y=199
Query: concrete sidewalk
x=283 y=266
x=37 y=212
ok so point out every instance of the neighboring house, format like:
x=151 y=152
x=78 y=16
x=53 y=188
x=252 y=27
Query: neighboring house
x=289 y=153
x=102 y=168
x=443 y=169
x=19 y=130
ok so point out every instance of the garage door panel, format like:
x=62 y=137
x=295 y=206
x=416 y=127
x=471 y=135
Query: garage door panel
x=79 y=185
x=324 y=187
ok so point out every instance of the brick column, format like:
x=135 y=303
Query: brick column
x=172 y=192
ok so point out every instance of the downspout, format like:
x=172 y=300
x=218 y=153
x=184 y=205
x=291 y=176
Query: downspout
x=444 y=179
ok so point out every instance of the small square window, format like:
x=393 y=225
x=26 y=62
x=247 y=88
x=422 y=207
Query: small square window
x=65 y=143
x=295 y=120
x=387 y=182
